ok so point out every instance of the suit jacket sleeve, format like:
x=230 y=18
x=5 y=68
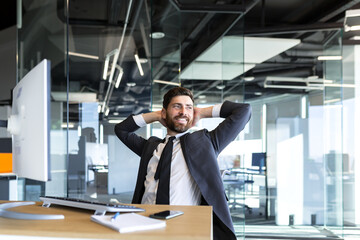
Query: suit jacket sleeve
x=125 y=132
x=236 y=117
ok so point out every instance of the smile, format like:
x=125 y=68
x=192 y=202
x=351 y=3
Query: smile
x=181 y=120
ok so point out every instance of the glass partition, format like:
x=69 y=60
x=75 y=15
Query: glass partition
x=41 y=35
x=334 y=156
x=209 y=62
x=350 y=128
x=293 y=164
x=120 y=61
x=109 y=79
x=301 y=132
x=240 y=185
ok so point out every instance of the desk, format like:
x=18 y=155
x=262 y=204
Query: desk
x=196 y=223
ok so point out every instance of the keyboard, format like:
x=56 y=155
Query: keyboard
x=99 y=208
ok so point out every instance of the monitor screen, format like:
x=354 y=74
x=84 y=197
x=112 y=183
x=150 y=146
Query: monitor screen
x=258 y=160
x=29 y=124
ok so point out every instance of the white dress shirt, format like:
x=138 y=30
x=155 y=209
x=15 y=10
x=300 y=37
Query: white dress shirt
x=183 y=188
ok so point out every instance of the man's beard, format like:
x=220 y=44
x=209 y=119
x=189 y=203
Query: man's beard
x=177 y=128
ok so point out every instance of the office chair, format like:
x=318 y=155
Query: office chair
x=234 y=184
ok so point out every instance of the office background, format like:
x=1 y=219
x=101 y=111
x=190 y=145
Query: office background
x=265 y=53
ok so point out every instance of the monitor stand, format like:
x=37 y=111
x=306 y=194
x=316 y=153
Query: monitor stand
x=25 y=216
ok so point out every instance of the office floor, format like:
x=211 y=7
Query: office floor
x=299 y=232
x=258 y=228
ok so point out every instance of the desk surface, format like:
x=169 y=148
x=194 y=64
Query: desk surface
x=195 y=223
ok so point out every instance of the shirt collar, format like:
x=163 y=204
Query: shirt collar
x=177 y=135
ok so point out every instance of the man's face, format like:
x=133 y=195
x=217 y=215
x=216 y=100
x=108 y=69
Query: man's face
x=179 y=114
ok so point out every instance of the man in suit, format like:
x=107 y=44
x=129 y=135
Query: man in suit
x=193 y=173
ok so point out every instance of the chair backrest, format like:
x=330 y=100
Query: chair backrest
x=225 y=172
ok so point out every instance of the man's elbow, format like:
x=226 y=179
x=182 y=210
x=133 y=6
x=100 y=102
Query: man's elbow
x=248 y=110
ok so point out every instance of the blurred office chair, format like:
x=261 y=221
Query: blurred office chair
x=259 y=167
x=234 y=183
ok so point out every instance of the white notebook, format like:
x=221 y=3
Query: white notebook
x=129 y=222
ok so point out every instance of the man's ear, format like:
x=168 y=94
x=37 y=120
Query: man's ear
x=163 y=113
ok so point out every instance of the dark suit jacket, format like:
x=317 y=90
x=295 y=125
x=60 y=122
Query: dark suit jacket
x=200 y=149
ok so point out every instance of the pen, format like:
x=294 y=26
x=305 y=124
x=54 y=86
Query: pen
x=115 y=216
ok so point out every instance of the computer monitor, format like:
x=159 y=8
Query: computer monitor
x=259 y=160
x=29 y=124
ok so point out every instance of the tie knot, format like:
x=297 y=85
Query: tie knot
x=171 y=138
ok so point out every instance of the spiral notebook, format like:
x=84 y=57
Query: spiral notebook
x=129 y=222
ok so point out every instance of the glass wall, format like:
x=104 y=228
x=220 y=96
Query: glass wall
x=109 y=79
x=334 y=155
x=42 y=35
x=350 y=157
x=293 y=163
x=302 y=136
x=206 y=62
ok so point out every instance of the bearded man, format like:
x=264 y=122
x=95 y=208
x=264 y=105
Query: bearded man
x=182 y=169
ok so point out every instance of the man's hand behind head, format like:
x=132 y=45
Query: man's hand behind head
x=162 y=120
x=197 y=116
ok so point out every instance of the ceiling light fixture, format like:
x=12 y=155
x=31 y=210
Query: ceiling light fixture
x=294 y=87
x=107 y=62
x=220 y=87
x=296 y=79
x=352 y=20
x=115 y=121
x=137 y=59
x=352 y=28
x=116 y=53
x=107 y=111
x=310 y=84
x=106 y=67
x=83 y=55
x=131 y=84
x=103 y=106
x=249 y=78
x=166 y=82
x=329 y=58
x=118 y=79
x=313 y=77
x=157 y=35
x=332 y=100
x=114 y=63
x=343 y=85
x=143 y=60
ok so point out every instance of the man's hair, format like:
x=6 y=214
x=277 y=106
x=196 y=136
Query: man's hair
x=177 y=91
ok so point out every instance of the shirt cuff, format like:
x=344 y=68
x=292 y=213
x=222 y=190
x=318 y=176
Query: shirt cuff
x=216 y=110
x=139 y=120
